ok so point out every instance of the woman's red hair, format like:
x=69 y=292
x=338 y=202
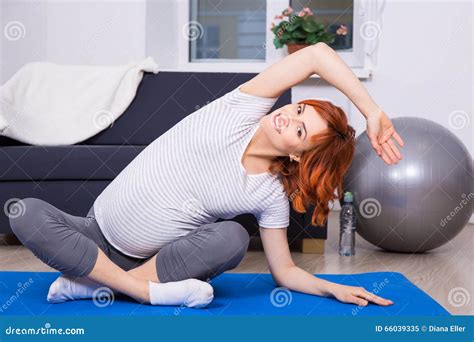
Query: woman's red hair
x=321 y=169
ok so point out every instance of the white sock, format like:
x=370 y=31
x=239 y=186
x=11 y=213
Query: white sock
x=190 y=292
x=70 y=288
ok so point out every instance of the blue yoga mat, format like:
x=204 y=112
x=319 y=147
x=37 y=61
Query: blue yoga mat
x=24 y=293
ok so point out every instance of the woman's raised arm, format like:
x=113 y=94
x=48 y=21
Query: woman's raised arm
x=283 y=74
x=330 y=66
x=317 y=59
x=322 y=60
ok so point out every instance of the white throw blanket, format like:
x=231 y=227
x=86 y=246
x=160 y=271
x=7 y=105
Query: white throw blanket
x=54 y=104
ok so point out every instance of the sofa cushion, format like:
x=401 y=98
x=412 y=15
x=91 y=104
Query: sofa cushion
x=64 y=162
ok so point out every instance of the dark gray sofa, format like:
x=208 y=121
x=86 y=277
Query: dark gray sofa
x=71 y=177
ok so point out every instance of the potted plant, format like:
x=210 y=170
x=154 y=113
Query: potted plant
x=297 y=31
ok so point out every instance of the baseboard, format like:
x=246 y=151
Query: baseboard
x=9 y=240
x=313 y=246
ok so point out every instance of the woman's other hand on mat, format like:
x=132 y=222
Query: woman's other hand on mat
x=380 y=130
x=357 y=295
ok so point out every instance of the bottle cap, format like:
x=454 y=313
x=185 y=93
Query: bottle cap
x=348 y=196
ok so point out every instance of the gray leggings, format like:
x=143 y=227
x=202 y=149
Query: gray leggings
x=69 y=244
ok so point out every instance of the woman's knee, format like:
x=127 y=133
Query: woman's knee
x=24 y=217
x=39 y=227
x=237 y=241
x=205 y=254
x=230 y=252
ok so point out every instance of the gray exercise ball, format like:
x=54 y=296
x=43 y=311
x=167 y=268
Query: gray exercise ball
x=420 y=203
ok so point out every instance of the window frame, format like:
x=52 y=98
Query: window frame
x=357 y=59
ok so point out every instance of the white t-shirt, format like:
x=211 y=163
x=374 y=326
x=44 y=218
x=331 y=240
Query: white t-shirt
x=190 y=176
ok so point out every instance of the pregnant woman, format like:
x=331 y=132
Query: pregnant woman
x=152 y=233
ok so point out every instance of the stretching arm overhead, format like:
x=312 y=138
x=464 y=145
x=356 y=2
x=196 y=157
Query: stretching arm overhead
x=317 y=59
x=283 y=74
x=322 y=60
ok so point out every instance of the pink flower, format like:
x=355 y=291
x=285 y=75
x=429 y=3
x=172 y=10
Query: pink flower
x=287 y=11
x=278 y=17
x=301 y=14
x=307 y=10
x=273 y=25
x=342 y=30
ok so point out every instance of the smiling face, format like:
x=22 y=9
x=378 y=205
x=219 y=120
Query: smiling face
x=289 y=128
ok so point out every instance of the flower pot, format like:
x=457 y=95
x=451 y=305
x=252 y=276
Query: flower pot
x=295 y=47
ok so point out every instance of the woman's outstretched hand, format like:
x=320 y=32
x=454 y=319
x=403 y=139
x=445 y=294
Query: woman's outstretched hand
x=357 y=295
x=380 y=130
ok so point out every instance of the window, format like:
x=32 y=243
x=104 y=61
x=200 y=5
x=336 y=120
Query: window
x=235 y=36
x=227 y=30
x=333 y=13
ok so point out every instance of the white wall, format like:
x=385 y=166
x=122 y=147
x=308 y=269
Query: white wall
x=163 y=32
x=71 y=32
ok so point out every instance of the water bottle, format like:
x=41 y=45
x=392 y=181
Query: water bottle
x=347 y=221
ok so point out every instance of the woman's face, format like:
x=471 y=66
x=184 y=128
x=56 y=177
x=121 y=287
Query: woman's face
x=290 y=127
